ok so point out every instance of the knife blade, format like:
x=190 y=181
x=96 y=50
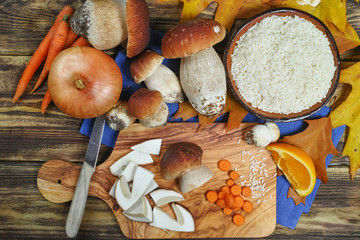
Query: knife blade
x=78 y=203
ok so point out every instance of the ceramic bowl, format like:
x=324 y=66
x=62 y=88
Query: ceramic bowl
x=278 y=117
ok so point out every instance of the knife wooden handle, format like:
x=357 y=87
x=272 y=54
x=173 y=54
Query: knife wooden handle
x=78 y=203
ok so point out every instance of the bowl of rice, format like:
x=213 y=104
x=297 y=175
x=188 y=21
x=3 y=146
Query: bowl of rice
x=282 y=65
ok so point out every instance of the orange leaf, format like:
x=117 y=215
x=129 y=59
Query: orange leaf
x=236 y=112
x=252 y=7
x=332 y=11
x=185 y=111
x=347 y=40
x=205 y=121
x=295 y=196
x=348 y=113
x=225 y=14
x=315 y=141
x=292 y=4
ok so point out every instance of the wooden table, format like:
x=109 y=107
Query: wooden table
x=28 y=139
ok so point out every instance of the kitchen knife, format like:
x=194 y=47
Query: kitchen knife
x=78 y=203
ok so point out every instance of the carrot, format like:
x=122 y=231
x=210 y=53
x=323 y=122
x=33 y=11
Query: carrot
x=235 y=190
x=238 y=219
x=81 y=41
x=39 y=55
x=234 y=175
x=229 y=200
x=221 y=203
x=212 y=196
x=238 y=203
x=247 y=207
x=46 y=101
x=224 y=165
x=70 y=38
x=246 y=191
x=227 y=211
x=225 y=189
x=56 y=46
x=221 y=195
x=230 y=182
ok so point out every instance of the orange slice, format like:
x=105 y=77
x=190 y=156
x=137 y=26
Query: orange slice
x=296 y=165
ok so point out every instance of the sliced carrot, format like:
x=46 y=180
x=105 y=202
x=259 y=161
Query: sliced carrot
x=224 y=165
x=234 y=175
x=238 y=219
x=235 y=190
x=229 y=200
x=227 y=211
x=226 y=189
x=46 y=101
x=246 y=191
x=212 y=196
x=238 y=203
x=39 y=55
x=56 y=46
x=70 y=38
x=221 y=203
x=247 y=207
x=81 y=41
x=230 y=182
x=221 y=195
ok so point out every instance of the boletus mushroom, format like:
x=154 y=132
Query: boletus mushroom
x=118 y=117
x=183 y=161
x=107 y=23
x=202 y=73
x=148 y=107
x=148 y=67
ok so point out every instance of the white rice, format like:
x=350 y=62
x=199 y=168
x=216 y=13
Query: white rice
x=283 y=65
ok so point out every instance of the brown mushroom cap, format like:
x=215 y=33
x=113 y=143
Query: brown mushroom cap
x=137 y=19
x=144 y=65
x=190 y=37
x=144 y=103
x=179 y=159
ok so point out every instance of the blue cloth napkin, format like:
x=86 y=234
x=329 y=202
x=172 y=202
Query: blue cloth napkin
x=287 y=213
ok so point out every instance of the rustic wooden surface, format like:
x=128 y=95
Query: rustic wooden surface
x=28 y=139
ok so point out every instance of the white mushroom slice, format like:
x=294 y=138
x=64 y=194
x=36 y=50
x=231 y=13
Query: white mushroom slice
x=152 y=186
x=129 y=171
x=112 y=190
x=137 y=157
x=184 y=222
x=151 y=146
x=141 y=211
x=141 y=181
x=164 y=196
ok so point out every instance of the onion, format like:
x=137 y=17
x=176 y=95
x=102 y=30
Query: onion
x=84 y=82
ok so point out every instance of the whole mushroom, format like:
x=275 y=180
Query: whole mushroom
x=148 y=107
x=148 y=68
x=107 y=23
x=183 y=161
x=202 y=73
x=118 y=118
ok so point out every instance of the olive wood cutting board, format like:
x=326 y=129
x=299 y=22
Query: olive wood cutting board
x=57 y=180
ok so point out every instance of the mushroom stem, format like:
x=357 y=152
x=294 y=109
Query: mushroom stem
x=195 y=178
x=262 y=135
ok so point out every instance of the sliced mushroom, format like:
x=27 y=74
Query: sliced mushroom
x=141 y=211
x=147 y=67
x=137 y=157
x=152 y=146
x=118 y=117
x=148 y=107
x=164 y=196
x=183 y=160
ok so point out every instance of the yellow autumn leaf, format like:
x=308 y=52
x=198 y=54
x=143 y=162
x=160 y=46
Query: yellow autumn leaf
x=346 y=40
x=192 y=8
x=348 y=113
x=332 y=11
x=252 y=7
x=292 y=4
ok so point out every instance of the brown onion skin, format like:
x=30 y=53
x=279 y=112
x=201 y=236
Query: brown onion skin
x=100 y=75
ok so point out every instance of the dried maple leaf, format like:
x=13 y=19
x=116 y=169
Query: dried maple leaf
x=316 y=141
x=252 y=7
x=332 y=11
x=295 y=196
x=236 y=112
x=185 y=111
x=346 y=40
x=348 y=113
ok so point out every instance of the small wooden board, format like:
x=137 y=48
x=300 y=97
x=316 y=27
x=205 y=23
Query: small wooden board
x=57 y=180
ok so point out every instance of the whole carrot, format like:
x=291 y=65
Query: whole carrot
x=39 y=55
x=56 y=46
x=70 y=38
x=81 y=41
x=46 y=101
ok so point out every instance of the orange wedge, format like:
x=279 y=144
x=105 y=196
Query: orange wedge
x=296 y=165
